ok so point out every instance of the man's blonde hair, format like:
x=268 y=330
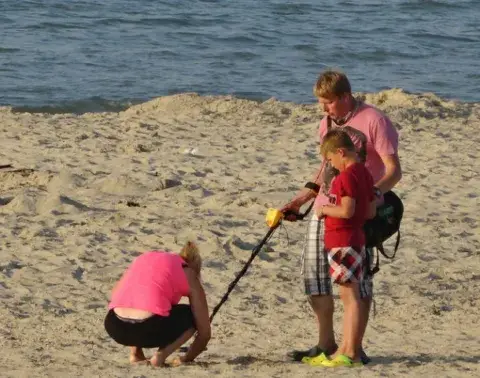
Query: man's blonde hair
x=191 y=256
x=334 y=140
x=332 y=84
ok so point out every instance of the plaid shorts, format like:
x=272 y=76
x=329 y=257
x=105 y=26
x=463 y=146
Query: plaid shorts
x=315 y=266
x=346 y=264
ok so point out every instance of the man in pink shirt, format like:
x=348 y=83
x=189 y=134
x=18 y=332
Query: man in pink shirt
x=376 y=142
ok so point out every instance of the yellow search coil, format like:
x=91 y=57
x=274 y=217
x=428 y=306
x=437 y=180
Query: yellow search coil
x=273 y=217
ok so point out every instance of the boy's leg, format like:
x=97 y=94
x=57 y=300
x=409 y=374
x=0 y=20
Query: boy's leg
x=347 y=270
x=351 y=344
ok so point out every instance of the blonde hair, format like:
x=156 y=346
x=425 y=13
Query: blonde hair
x=334 y=140
x=191 y=256
x=332 y=84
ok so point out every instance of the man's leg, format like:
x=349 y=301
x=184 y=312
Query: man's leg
x=318 y=288
x=323 y=308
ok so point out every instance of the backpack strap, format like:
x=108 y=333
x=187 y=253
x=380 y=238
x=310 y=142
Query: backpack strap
x=329 y=123
x=379 y=248
x=382 y=250
x=376 y=268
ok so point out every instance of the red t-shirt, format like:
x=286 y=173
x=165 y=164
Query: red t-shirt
x=355 y=182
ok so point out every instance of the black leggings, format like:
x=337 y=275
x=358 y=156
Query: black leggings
x=154 y=332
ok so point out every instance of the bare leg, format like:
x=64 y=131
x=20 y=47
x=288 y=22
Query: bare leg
x=323 y=307
x=352 y=324
x=161 y=355
x=136 y=355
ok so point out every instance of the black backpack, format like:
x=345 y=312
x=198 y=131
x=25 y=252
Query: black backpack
x=385 y=224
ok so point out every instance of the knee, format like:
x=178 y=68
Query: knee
x=321 y=303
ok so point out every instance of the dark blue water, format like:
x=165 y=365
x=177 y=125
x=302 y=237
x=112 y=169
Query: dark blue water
x=96 y=55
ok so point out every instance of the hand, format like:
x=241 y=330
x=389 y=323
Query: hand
x=292 y=207
x=319 y=212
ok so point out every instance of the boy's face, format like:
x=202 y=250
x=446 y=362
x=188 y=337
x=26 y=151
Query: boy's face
x=335 y=107
x=336 y=159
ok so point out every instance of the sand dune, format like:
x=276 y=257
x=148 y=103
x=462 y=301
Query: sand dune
x=87 y=193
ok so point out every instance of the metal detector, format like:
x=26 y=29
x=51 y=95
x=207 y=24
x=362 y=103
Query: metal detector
x=274 y=219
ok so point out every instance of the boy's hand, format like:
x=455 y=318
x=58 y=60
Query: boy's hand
x=319 y=212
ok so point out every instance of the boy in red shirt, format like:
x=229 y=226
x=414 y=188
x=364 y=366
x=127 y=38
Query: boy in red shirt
x=352 y=202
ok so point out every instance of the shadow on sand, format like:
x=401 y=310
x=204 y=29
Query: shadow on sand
x=410 y=361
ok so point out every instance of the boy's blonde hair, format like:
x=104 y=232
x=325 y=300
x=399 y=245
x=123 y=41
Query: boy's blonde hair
x=332 y=84
x=191 y=256
x=334 y=140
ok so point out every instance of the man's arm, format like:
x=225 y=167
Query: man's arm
x=305 y=194
x=393 y=173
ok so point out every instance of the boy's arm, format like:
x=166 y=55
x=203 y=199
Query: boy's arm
x=345 y=210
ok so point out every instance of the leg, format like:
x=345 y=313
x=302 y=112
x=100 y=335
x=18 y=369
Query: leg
x=323 y=308
x=161 y=355
x=136 y=355
x=318 y=285
x=121 y=331
x=176 y=329
x=351 y=344
x=318 y=288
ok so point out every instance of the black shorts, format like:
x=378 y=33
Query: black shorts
x=153 y=332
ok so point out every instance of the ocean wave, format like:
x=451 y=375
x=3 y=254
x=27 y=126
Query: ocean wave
x=8 y=50
x=442 y=37
x=433 y=5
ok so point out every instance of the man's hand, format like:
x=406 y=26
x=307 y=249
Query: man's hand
x=294 y=205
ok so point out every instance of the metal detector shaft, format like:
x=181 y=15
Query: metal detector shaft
x=232 y=285
x=255 y=252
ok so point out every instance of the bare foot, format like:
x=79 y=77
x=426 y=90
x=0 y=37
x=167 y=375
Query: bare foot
x=137 y=357
x=157 y=360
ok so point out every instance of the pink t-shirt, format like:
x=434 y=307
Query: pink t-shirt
x=373 y=135
x=154 y=282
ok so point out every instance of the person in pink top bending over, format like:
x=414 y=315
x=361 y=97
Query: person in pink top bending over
x=144 y=311
x=376 y=144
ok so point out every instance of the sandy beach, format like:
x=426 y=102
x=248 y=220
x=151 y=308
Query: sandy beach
x=87 y=193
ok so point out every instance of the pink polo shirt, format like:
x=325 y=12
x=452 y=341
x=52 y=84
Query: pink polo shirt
x=153 y=282
x=368 y=128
